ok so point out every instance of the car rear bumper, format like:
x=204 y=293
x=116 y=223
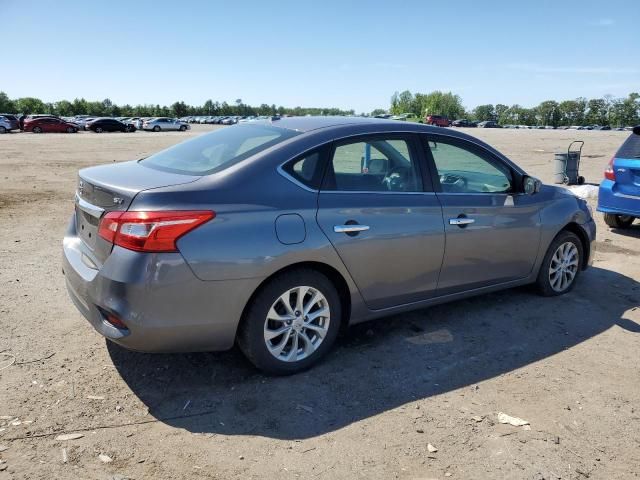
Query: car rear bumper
x=610 y=200
x=164 y=305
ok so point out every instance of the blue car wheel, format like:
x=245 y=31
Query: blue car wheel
x=618 y=221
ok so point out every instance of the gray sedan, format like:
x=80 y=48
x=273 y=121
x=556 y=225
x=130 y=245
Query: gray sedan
x=274 y=234
x=165 y=124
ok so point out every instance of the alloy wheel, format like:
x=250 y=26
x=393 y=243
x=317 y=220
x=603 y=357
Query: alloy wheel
x=564 y=266
x=297 y=323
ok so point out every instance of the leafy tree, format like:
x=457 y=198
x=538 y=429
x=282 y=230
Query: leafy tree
x=598 y=111
x=378 y=111
x=484 y=112
x=548 y=113
x=442 y=103
x=179 y=109
x=29 y=105
x=6 y=105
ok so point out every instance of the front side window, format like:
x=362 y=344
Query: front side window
x=374 y=165
x=464 y=169
x=217 y=150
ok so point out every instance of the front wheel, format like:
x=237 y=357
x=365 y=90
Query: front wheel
x=182 y=128
x=618 y=221
x=99 y=130
x=71 y=130
x=2 y=130
x=561 y=265
x=156 y=128
x=291 y=323
x=37 y=130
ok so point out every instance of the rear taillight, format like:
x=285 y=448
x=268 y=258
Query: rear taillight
x=609 y=173
x=150 y=231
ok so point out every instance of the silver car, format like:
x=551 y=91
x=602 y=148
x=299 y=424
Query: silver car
x=5 y=125
x=274 y=234
x=165 y=124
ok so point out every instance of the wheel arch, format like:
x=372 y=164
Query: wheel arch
x=330 y=272
x=575 y=228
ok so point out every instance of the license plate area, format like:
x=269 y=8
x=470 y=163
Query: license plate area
x=87 y=227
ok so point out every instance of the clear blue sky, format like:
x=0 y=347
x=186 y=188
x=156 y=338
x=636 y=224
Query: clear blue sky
x=349 y=53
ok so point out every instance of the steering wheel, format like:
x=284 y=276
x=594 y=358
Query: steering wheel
x=452 y=182
x=397 y=179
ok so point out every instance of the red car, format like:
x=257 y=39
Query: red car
x=49 y=125
x=437 y=120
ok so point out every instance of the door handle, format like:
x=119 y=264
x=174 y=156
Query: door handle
x=461 y=221
x=355 y=228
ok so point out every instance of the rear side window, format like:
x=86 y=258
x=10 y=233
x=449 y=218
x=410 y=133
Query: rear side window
x=630 y=148
x=307 y=170
x=218 y=150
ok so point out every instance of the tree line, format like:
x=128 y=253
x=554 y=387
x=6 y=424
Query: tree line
x=616 y=112
x=106 y=108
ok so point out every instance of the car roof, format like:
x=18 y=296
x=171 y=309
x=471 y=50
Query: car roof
x=307 y=124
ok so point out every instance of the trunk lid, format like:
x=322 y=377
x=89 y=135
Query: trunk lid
x=108 y=188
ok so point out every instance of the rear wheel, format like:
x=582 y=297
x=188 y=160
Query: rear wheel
x=291 y=323
x=3 y=130
x=618 y=221
x=36 y=130
x=99 y=130
x=156 y=128
x=183 y=128
x=561 y=265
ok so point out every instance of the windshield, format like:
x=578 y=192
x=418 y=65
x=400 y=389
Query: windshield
x=217 y=150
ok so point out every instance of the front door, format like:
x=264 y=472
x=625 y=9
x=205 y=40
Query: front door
x=386 y=227
x=492 y=230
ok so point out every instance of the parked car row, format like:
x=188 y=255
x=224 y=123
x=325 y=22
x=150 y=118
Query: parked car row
x=222 y=120
x=44 y=123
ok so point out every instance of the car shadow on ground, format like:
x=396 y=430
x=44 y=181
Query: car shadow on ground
x=380 y=365
x=632 y=231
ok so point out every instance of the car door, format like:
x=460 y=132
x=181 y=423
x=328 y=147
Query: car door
x=49 y=125
x=383 y=218
x=492 y=229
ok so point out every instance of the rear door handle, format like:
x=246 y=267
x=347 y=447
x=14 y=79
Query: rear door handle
x=461 y=222
x=350 y=228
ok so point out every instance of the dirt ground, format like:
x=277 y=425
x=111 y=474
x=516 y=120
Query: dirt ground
x=390 y=388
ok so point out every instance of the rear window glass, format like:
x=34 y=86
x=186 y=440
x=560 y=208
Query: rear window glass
x=630 y=148
x=217 y=150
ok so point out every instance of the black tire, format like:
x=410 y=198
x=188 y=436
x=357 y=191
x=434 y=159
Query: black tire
x=98 y=130
x=543 y=282
x=618 y=221
x=182 y=128
x=251 y=339
x=2 y=130
x=70 y=130
x=36 y=130
x=156 y=128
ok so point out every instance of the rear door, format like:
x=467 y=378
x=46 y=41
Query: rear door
x=385 y=224
x=627 y=167
x=492 y=231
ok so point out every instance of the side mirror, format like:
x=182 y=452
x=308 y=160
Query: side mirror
x=531 y=185
x=636 y=129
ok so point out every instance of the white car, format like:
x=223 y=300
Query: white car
x=165 y=123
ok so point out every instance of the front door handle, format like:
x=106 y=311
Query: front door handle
x=355 y=228
x=461 y=221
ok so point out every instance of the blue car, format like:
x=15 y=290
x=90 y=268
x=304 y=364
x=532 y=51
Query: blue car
x=619 y=196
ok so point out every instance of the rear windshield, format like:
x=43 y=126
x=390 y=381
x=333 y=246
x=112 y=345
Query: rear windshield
x=630 y=148
x=217 y=150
